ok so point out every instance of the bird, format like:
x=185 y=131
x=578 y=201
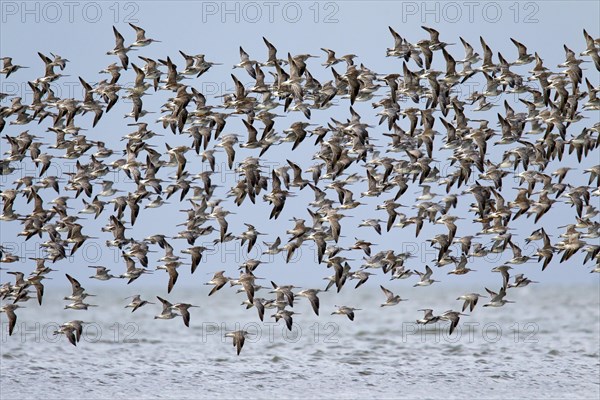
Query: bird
x=79 y=304
x=347 y=311
x=374 y=223
x=311 y=295
x=141 y=40
x=171 y=268
x=78 y=292
x=497 y=299
x=453 y=317
x=102 y=273
x=69 y=332
x=8 y=67
x=239 y=338
x=286 y=315
x=183 y=309
x=196 y=254
x=391 y=299
x=425 y=277
x=503 y=269
x=524 y=58
x=9 y=310
x=362 y=277
x=120 y=50
x=428 y=317
x=218 y=280
x=246 y=63
x=72 y=330
x=167 y=310
x=136 y=302
x=461 y=267
x=520 y=281
x=470 y=300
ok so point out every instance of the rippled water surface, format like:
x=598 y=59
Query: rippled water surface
x=545 y=345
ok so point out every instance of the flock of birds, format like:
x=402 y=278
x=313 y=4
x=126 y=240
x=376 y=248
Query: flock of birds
x=530 y=140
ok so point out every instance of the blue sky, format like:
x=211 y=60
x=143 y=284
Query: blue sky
x=83 y=33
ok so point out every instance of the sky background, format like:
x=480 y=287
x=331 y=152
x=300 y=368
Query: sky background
x=83 y=34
